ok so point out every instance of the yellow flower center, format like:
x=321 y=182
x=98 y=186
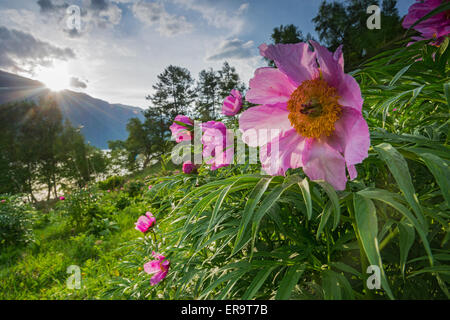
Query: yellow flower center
x=314 y=108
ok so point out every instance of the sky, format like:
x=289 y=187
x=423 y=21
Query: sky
x=114 y=50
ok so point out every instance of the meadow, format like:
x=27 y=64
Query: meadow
x=363 y=215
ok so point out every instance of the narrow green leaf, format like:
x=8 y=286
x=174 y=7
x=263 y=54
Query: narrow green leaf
x=407 y=237
x=367 y=224
x=334 y=200
x=304 y=187
x=257 y=283
x=288 y=282
x=399 y=169
x=249 y=209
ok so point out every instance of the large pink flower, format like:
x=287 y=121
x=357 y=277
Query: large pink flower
x=217 y=145
x=158 y=267
x=436 y=27
x=145 y=222
x=179 y=132
x=232 y=104
x=309 y=114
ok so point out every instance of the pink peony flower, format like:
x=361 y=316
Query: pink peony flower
x=189 y=167
x=62 y=198
x=217 y=145
x=145 y=222
x=150 y=187
x=3 y=201
x=158 y=268
x=436 y=27
x=395 y=109
x=312 y=112
x=232 y=104
x=108 y=190
x=179 y=132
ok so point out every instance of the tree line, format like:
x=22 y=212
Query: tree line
x=38 y=148
x=176 y=92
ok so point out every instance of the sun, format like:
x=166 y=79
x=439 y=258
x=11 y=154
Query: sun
x=56 y=77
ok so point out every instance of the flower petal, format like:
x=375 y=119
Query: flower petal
x=269 y=86
x=322 y=162
x=332 y=69
x=259 y=124
x=158 y=277
x=282 y=153
x=351 y=136
x=294 y=60
x=152 y=266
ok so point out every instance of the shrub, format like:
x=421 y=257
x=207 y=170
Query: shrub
x=16 y=221
x=111 y=183
x=134 y=188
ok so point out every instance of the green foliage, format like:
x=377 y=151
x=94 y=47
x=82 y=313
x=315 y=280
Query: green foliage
x=16 y=220
x=111 y=183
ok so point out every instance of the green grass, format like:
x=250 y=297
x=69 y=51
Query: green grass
x=39 y=271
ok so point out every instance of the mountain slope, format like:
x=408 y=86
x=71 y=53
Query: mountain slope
x=100 y=120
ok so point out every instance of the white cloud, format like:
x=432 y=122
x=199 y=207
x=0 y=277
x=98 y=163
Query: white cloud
x=215 y=16
x=232 y=49
x=152 y=13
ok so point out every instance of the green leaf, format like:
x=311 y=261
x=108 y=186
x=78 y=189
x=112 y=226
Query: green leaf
x=407 y=237
x=289 y=281
x=336 y=286
x=257 y=282
x=367 y=224
x=391 y=199
x=399 y=169
x=304 y=187
x=323 y=220
x=441 y=172
x=253 y=199
x=334 y=200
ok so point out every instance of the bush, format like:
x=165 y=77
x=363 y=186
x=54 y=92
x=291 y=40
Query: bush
x=16 y=221
x=81 y=207
x=134 y=188
x=113 y=182
x=122 y=202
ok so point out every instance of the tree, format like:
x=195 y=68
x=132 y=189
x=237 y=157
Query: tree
x=287 y=34
x=345 y=23
x=207 y=95
x=174 y=91
x=228 y=80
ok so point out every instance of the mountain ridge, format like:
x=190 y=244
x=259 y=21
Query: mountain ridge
x=100 y=121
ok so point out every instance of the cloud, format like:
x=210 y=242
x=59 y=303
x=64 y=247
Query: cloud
x=152 y=13
x=20 y=51
x=47 y=6
x=233 y=49
x=93 y=14
x=77 y=83
x=243 y=8
x=216 y=16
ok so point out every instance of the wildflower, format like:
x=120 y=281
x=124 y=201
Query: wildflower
x=232 y=104
x=436 y=27
x=158 y=268
x=150 y=187
x=3 y=201
x=62 y=198
x=189 y=167
x=217 y=147
x=312 y=110
x=179 y=132
x=145 y=222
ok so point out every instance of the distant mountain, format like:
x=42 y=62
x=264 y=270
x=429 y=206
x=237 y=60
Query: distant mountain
x=100 y=120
